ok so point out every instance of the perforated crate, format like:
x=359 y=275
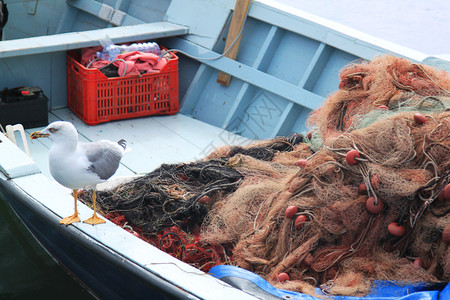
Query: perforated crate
x=96 y=98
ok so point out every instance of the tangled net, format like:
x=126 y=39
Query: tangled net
x=364 y=197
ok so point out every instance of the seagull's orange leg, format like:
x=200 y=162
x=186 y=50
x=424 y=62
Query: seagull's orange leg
x=94 y=219
x=74 y=218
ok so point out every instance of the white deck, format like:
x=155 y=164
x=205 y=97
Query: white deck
x=152 y=140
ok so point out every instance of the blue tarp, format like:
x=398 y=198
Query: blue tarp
x=382 y=290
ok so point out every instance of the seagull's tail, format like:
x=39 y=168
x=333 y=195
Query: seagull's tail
x=122 y=143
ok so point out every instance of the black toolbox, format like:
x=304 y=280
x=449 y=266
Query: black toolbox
x=23 y=105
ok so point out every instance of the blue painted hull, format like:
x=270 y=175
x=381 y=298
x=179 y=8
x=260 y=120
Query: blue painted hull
x=104 y=272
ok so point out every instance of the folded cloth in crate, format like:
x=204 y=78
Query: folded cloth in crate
x=138 y=63
x=130 y=63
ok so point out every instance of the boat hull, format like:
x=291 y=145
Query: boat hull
x=107 y=274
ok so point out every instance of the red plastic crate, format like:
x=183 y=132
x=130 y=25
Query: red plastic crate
x=96 y=98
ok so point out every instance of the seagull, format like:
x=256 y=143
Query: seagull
x=77 y=165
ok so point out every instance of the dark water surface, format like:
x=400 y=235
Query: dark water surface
x=27 y=271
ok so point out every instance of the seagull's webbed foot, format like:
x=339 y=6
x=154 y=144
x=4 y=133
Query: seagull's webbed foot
x=94 y=220
x=73 y=218
x=70 y=219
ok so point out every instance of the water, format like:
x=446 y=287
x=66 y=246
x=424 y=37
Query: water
x=416 y=24
x=26 y=270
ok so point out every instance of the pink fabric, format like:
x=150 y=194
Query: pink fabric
x=137 y=62
x=89 y=54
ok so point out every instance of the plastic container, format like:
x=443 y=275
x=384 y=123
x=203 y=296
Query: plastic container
x=96 y=98
x=110 y=52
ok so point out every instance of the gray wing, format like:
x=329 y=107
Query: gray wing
x=104 y=158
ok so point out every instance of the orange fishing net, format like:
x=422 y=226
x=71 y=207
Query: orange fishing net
x=366 y=197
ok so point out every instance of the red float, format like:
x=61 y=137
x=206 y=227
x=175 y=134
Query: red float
x=291 y=211
x=362 y=189
x=282 y=277
x=351 y=157
x=417 y=263
x=420 y=119
x=446 y=192
x=374 y=208
x=375 y=181
x=396 y=229
x=300 y=221
x=302 y=163
x=204 y=200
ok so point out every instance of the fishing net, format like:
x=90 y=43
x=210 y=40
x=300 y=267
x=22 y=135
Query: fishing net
x=364 y=197
x=387 y=82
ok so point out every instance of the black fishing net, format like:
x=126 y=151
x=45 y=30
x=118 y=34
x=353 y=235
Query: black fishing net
x=170 y=194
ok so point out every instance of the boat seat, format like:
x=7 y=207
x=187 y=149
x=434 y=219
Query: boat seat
x=76 y=40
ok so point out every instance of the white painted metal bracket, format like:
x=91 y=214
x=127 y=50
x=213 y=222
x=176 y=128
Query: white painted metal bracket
x=10 y=133
x=105 y=12
x=118 y=17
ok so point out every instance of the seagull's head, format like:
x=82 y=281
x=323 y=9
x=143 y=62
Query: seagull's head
x=56 y=131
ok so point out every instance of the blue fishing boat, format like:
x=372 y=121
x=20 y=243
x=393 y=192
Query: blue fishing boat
x=246 y=71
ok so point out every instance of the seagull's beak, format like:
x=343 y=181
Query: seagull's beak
x=38 y=134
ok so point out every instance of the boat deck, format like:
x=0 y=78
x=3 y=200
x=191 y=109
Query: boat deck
x=151 y=141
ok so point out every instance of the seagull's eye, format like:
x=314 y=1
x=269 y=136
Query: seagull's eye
x=52 y=130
